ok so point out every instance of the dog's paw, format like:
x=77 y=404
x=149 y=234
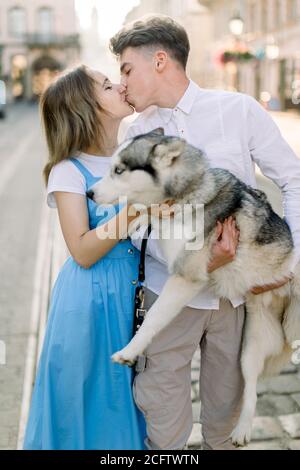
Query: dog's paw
x=241 y=435
x=122 y=357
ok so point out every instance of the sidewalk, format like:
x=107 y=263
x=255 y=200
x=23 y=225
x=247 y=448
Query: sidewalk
x=51 y=254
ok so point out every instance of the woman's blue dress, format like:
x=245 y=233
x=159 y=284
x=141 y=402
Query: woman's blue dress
x=81 y=400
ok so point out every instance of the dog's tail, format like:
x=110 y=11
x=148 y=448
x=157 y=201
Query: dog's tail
x=291 y=319
x=291 y=329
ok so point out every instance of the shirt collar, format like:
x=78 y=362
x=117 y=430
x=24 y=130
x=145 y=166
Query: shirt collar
x=185 y=103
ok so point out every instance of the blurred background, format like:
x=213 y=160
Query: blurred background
x=250 y=46
x=246 y=45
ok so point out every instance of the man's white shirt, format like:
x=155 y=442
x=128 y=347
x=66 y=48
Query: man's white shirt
x=235 y=132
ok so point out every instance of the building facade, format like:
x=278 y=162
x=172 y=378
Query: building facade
x=37 y=39
x=197 y=20
x=271 y=34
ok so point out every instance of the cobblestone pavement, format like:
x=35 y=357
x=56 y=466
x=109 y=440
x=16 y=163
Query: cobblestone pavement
x=277 y=422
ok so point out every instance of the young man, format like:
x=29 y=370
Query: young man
x=235 y=132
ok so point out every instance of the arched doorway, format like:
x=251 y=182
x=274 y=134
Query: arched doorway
x=44 y=69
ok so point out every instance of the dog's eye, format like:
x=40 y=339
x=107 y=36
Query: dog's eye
x=119 y=170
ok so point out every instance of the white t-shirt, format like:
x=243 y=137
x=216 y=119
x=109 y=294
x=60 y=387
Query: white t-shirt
x=65 y=176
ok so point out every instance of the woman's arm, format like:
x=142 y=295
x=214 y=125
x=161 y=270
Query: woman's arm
x=88 y=246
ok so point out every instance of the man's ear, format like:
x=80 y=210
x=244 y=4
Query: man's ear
x=168 y=152
x=158 y=131
x=161 y=59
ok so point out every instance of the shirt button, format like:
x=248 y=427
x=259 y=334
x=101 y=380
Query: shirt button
x=130 y=251
x=134 y=282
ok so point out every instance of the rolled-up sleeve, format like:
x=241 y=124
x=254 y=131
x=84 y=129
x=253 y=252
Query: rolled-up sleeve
x=277 y=161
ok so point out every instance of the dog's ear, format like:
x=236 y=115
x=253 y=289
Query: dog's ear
x=158 y=131
x=168 y=152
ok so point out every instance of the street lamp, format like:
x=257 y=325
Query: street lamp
x=236 y=25
x=272 y=50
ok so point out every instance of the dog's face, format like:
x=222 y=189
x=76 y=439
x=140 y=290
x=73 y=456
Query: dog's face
x=150 y=169
x=141 y=169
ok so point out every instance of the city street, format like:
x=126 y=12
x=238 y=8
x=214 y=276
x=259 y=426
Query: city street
x=31 y=252
x=22 y=156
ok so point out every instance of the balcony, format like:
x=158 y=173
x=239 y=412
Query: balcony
x=37 y=40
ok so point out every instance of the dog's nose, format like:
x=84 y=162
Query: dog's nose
x=90 y=194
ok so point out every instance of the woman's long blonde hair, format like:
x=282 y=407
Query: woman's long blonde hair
x=70 y=116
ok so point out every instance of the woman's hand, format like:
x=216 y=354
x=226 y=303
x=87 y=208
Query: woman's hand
x=136 y=217
x=224 y=249
x=162 y=211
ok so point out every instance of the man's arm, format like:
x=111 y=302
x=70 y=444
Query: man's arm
x=278 y=162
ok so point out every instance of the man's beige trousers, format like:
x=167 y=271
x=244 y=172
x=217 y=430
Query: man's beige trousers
x=163 y=389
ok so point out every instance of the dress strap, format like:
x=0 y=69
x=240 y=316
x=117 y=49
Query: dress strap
x=86 y=173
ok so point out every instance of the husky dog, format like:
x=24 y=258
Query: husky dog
x=152 y=168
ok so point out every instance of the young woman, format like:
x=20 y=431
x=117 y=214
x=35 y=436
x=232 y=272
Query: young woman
x=81 y=400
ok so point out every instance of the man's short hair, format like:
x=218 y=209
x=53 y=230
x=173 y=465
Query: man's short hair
x=149 y=31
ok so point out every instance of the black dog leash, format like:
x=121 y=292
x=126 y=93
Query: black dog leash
x=139 y=298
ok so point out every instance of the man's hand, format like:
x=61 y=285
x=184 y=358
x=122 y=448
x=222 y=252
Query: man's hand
x=224 y=249
x=261 y=289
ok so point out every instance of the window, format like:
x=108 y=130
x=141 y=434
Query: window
x=291 y=10
x=17 y=22
x=252 y=24
x=45 y=21
x=264 y=15
x=277 y=14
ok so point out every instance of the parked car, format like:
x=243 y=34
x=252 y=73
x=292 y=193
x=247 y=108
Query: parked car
x=2 y=99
